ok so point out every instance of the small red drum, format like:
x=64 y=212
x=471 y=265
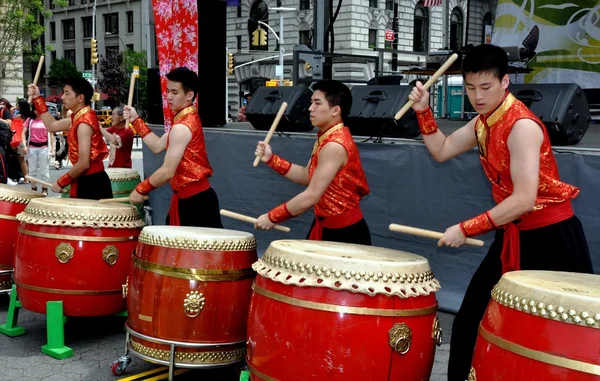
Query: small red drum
x=75 y=251
x=12 y=202
x=190 y=287
x=540 y=326
x=341 y=312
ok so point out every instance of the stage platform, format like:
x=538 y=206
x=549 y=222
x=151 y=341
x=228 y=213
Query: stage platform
x=407 y=187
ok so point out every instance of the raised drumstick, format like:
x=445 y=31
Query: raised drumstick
x=130 y=99
x=115 y=200
x=428 y=84
x=43 y=183
x=37 y=76
x=251 y=220
x=428 y=233
x=272 y=129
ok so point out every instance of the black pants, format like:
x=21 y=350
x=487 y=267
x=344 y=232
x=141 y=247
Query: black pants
x=94 y=187
x=358 y=233
x=201 y=210
x=558 y=247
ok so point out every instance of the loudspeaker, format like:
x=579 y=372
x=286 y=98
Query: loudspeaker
x=373 y=110
x=154 y=98
x=265 y=103
x=562 y=107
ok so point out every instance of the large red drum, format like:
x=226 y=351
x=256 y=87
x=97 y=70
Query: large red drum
x=540 y=326
x=12 y=202
x=75 y=251
x=334 y=311
x=190 y=287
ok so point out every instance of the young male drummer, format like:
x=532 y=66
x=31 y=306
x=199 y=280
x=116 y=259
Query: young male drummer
x=186 y=164
x=334 y=175
x=534 y=222
x=87 y=148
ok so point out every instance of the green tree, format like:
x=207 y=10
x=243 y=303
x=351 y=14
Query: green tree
x=113 y=76
x=130 y=60
x=60 y=70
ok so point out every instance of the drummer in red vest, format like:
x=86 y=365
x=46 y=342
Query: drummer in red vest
x=186 y=164
x=334 y=178
x=87 y=148
x=534 y=224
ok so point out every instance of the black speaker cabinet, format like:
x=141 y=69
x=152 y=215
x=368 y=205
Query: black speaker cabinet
x=562 y=107
x=373 y=110
x=265 y=103
x=154 y=98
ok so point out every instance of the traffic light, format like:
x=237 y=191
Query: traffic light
x=259 y=37
x=230 y=63
x=255 y=37
x=263 y=37
x=94 y=57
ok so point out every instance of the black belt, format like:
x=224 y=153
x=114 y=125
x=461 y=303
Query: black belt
x=36 y=144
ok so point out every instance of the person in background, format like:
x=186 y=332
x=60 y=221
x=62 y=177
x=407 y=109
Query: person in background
x=242 y=113
x=36 y=150
x=120 y=138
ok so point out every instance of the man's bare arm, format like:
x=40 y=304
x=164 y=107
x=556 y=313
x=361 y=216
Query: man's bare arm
x=180 y=138
x=444 y=147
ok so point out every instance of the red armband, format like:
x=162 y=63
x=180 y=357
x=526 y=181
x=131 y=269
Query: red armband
x=64 y=180
x=40 y=105
x=141 y=127
x=145 y=187
x=427 y=123
x=481 y=224
x=279 y=164
x=280 y=214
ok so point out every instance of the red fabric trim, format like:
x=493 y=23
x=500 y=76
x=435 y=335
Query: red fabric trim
x=339 y=221
x=141 y=127
x=280 y=214
x=187 y=191
x=427 y=123
x=279 y=164
x=145 y=187
x=40 y=105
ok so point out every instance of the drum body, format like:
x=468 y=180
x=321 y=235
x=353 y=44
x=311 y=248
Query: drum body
x=333 y=311
x=75 y=251
x=12 y=202
x=122 y=181
x=540 y=326
x=190 y=287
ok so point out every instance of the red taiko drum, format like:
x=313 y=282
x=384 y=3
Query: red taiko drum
x=75 y=251
x=12 y=202
x=540 y=326
x=190 y=287
x=333 y=311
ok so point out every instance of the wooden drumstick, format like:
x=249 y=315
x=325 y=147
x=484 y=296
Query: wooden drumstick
x=251 y=220
x=43 y=183
x=115 y=200
x=130 y=99
x=37 y=76
x=272 y=129
x=428 y=84
x=428 y=233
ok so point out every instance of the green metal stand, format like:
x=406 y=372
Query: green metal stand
x=10 y=328
x=245 y=375
x=55 y=328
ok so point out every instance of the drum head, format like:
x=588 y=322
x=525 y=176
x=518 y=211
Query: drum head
x=76 y=212
x=195 y=238
x=568 y=297
x=122 y=174
x=17 y=194
x=357 y=268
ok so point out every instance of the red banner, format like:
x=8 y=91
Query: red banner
x=176 y=27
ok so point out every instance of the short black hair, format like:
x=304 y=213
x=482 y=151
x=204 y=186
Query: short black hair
x=25 y=110
x=486 y=58
x=336 y=93
x=81 y=86
x=187 y=78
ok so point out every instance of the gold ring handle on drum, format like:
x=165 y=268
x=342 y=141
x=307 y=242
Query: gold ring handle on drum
x=125 y=288
x=400 y=338
x=64 y=252
x=193 y=303
x=436 y=333
x=472 y=375
x=110 y=254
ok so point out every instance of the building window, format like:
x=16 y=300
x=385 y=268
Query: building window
x=304 y=5
x=111 y=23
x=373 y=3
x=456 y=29
x=389 y=5
x=52 y=57
x=304 y=37
x=372 y=38
x=129 y=21
x=421 y=30
x=238 y=42
x=68 y=29
x=86 y=22
x=51 y=4
x=112 y=50
x=52 y=31
x=70 y=55
x=487 y=24
x=130 y=47
x=239 y=11
x=87 y=58
x=278 y=3
x=83 y=1
x=71 y=3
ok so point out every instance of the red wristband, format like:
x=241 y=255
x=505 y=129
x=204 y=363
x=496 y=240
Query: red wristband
x=40 y=105
x=64 y=180
x=141 y=127
x=279 y=164
x=481 y=224
x=145 y=187
x=427 y=123
x=280 y=214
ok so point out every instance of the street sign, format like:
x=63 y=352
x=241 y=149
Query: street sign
x=136 y=71
x=389 y=35
x=87 y=75
x=278 y=70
